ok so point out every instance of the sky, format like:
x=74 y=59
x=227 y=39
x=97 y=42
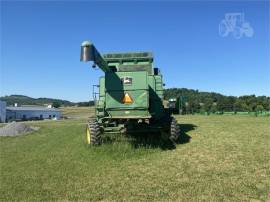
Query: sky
x=40 y=45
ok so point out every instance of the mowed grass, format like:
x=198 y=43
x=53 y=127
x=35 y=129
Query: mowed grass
x=222 y=158
x=77 y=112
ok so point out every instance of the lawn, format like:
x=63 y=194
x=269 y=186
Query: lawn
x=77 y=112
x=219 y=158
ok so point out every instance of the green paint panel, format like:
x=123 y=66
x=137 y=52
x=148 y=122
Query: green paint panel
x=129 y=114
x=135 y=68
x=102 y=87
x=116 y=81
x=114 y=99
x=135 y=85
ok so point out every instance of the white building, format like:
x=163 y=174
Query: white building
x=2 y=111
x=31 y=113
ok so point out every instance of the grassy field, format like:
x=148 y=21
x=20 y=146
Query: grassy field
x=219 y=158
x=77 y=112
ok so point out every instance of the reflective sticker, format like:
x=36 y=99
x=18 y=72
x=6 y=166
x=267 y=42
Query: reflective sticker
x=127 y=99
x=88 y=136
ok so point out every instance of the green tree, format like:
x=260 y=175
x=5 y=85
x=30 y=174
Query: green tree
x=213 y=108
x=208 y=104
x=223 y=103
x=259 y=108
x=240 y=106
x=56 y=104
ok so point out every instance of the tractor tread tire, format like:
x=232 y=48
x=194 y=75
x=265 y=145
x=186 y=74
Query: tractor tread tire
x=95 y=133
x=174 y=130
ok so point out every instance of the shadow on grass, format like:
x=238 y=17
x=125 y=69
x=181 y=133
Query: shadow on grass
x=153 y=139
x=184 y=129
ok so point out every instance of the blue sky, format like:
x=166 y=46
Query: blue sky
x=40 y=45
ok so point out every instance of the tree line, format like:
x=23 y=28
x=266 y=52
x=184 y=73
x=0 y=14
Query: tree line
x=26 y=100
x=194 y=101
x=199 y=102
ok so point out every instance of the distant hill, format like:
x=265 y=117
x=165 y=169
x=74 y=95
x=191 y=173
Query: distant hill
x=195 y=101
x=191 y=94
x=25 y=100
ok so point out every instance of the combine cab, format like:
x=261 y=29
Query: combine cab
x=130 y=97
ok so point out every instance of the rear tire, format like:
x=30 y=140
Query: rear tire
x=174 y=130
x=93 y=134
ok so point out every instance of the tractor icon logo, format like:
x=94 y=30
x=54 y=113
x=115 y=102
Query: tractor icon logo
x=235 y=23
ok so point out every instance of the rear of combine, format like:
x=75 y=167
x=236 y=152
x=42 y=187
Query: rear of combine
x=130 y=96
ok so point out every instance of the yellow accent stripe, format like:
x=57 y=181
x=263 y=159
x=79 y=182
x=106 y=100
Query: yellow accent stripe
x=88 y=136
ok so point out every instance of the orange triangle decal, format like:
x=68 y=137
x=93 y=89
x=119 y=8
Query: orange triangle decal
x=127 y=99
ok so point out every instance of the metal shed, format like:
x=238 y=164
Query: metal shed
x=31 y=113
x=2 y=111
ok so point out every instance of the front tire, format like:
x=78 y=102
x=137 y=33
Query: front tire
x=93 y=134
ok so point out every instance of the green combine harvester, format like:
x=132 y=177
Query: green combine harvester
x=130 y=97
